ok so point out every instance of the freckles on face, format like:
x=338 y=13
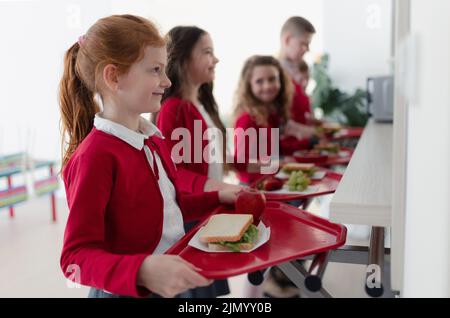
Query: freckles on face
x=143 y=86
x=265 y=83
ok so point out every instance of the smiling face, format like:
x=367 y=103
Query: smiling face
x=296 y=46
x=202 y=62
x=140 y=89
x=265 y=83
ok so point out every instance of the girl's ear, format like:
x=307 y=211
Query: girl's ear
x=111 y=77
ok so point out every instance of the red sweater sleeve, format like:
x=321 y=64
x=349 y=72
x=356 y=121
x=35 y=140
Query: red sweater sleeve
x=169 y=119
x=241 y=147
x=89 y=181
x=195 y=206
x=189 y=181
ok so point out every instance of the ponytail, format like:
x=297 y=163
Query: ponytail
x=77 y=106
x=119 y=40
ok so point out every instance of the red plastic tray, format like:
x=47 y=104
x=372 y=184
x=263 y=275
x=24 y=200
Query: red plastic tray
x=294 y=234
x=337 y=160
x=310 y=158
x=327 y=185
x=325 y=160
x=348 y=132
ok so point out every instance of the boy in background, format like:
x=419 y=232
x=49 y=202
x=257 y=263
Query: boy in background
x=295 y=39
x=303 y=76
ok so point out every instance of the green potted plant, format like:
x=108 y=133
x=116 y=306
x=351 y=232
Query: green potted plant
x=347 y=109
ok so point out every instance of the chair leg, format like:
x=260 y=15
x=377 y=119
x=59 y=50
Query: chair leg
x=53 y=201
x=11 y=208
x=52 y=198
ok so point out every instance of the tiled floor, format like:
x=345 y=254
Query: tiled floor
x=30 y=246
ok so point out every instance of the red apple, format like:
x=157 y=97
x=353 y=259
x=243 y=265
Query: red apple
x=251 y=201
x=272 y=184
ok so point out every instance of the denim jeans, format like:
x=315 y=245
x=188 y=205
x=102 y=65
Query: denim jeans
x=97 y=293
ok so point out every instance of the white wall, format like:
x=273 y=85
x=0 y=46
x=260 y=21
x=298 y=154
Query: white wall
x=357 y=35
x=36 y=33
x=239 y=29
x=34 y=36
x=427 y=242
x=399 y=149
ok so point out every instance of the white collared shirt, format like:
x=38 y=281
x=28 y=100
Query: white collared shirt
x=173 y=228
x=215 y=169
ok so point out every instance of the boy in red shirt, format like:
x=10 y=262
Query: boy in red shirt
x=295 y=39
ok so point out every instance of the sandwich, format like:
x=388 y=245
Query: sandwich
x=331 y=127
x=230 y=232
x=328 y=128
x=307 y=168
x=327 y=147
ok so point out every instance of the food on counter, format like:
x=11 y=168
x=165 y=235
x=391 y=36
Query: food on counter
x=230 y=232
x=251 y=201
x=307 y=168
x=270 y=184
x=328 y=128
x=327 y=147
x=298 y=181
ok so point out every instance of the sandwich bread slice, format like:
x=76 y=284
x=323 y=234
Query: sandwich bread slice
x=230 y=232
x=327 y=147
x=308 y=168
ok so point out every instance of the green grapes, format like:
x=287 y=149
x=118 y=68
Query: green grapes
x=298 y=181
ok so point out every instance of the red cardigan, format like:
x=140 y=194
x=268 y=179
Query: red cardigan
x=301 y=105
x=287 y=145
x=177 y=113
x=116 y=211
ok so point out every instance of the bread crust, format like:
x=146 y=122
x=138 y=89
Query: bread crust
x=204 y=238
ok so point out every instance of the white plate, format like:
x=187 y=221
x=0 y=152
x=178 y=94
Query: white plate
x=263 y=237
x=344 y=154
x=282 y=175
x=319 y=175
x=341 y=132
